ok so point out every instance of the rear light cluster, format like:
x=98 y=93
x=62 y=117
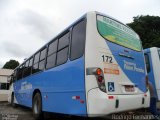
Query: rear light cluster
x=100 y=79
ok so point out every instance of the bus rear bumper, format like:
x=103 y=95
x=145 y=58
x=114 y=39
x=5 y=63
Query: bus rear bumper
x=101 y=104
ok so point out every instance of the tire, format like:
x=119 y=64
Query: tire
x=12 y=100
x=37 y=107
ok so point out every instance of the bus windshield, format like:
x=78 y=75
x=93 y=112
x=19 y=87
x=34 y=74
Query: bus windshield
x=118 y=33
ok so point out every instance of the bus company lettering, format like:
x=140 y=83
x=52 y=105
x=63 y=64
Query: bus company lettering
x=26 y=86
x=132 y=66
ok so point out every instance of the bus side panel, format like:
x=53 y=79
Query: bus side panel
x=23 y=94
x=62 y=85
x=59 y=87
x=155 y=64
x=151 y=75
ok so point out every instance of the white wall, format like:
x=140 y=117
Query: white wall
x=3 y=79
x=4 y=73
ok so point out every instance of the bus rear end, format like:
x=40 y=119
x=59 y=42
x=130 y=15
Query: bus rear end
x=115 y=68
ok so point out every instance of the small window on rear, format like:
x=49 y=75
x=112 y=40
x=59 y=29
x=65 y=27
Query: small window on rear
x=147 y=62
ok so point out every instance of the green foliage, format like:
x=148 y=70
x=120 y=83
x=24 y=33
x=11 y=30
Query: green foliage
x=148 y=28
x=12 y=64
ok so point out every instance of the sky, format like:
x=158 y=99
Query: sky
x=26 y=25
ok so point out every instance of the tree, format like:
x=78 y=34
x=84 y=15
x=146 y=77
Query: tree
x=148 y=28
x=12 y=64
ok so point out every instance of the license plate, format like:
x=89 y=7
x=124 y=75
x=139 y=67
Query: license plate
x=129 y=88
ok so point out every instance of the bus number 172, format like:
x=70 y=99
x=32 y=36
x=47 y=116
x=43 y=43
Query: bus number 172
x=107 y=58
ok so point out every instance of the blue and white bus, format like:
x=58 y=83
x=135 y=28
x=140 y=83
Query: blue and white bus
x=93 y=68
x=152 y=57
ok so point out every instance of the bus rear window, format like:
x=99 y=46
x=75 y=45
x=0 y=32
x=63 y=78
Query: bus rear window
x=118 y=33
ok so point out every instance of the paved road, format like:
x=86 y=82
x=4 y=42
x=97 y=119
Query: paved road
x=7 y=112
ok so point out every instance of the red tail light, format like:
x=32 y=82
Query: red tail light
x=145 y=95
x=100 y=79
x=110 y=97
x=98 y=71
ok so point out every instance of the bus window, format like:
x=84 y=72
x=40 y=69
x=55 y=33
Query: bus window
x=52 y=47
x=42 y=65
x=42 y=59
x=25 y=73
x=78 y=40
x=51 y=55
x=51 y=60
x=35 y=68
x=20 y=72
x=147 y=62
x=30 y=65
x=43 y=54
x=63 y=41
x=36 y=63
x=27 y=63
x=62 y=54
x=118 y=33
x=14 y=75
x=36 y=58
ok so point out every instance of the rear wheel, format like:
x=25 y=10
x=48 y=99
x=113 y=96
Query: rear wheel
x=37 y=107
